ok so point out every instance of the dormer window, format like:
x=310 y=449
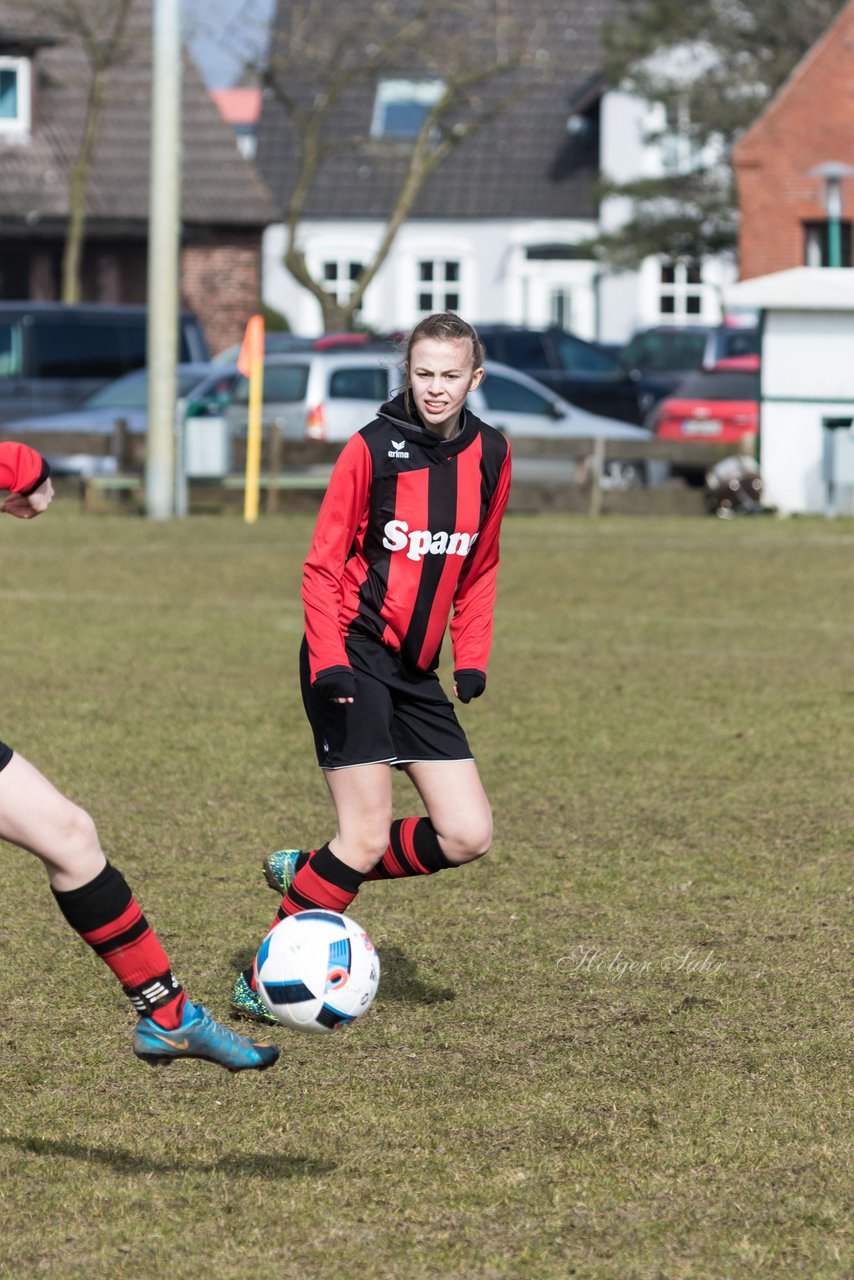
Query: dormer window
x=401 y=106
x=14 y=99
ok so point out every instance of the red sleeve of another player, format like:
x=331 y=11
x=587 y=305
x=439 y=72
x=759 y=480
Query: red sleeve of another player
x=21 y=468
x=471 y=625
x=323 y=572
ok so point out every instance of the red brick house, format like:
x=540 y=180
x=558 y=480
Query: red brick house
x=810 y=122
x=224 y=202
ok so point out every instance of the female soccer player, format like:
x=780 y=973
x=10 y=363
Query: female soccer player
x=92 y=895
x=407 y=533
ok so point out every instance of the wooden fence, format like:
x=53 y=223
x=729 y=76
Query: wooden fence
x=291 y=466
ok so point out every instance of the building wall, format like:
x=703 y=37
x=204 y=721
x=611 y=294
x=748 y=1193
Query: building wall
x=810 y=121
x=221 y=283
x=496 y=278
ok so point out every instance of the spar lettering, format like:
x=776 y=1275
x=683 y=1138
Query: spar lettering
x=423 y=542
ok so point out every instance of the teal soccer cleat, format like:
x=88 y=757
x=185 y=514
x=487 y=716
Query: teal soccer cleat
x=200 y=1036
x=248 y=1002
x=280 y=869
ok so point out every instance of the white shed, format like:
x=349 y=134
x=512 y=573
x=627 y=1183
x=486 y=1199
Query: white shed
x=806 y=438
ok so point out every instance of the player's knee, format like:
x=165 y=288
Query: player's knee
x=77 y=838
x=470 y=840
x=366 y=844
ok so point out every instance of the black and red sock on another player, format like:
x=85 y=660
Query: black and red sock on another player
x=107 y=916
x=413 y=850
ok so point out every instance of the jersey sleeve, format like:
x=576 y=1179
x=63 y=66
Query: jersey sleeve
x=21 y=469
x=342 y=511
x=474 y=599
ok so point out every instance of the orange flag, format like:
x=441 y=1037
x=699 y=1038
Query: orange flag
x=252 y=347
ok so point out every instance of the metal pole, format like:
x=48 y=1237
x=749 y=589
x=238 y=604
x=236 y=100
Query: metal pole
x=163 y=258
x=834 y=216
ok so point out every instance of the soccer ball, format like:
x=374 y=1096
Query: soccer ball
x=317 y=970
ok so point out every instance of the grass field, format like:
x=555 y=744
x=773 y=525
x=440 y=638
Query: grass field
x=618 y=1048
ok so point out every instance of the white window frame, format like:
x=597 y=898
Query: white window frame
x=17 y=128
x=680 y=290
x=421 y=93
x=439 y=287
x=341 y=287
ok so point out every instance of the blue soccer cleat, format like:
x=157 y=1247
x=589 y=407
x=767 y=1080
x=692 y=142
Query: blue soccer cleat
x=248 y=1003
x=280 y=869
x=200 y=1036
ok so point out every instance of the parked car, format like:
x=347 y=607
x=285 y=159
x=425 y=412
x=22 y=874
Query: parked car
x=198 y=385
x=53 y=356
x=330 y=394
x=720 y=405
x=669 y=352
x=582 y=372
x=322 y=394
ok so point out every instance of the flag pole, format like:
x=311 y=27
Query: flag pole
x=250 y=362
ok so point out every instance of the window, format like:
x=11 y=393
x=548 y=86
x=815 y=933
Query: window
x=817 y=244
x=680 y=290
x=10 y=351
x=438 y=286
x=14 y=99
x=85 y=350
x=525 y=351
x=339 y=277
x=359 y=384
x=401 y=106
x=673 y=350
x=581 y=357
x=505 y=395
x=720 y=386
x=560 y=308
x=284 y=383
x=679 y=151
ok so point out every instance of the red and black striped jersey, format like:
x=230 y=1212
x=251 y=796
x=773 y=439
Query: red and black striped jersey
x=21 y=469
x=408 y=532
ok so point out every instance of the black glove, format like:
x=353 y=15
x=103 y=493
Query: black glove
x=335 y=682
x=470 y=683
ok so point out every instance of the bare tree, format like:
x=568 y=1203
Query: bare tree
x=322 y=54
x=100 y=26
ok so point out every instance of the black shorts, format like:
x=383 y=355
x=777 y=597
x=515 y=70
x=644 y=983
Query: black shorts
x=399 y=716
x=5 y=755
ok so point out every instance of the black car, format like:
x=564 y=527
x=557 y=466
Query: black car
x=581 y=372
x=669 y=352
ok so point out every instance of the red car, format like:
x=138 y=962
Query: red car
x=720 y=404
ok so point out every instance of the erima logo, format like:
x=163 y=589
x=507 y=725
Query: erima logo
x=397 y=450
x=421 y=542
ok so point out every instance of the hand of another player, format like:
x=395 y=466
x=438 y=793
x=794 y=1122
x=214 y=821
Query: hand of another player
x=31 y=505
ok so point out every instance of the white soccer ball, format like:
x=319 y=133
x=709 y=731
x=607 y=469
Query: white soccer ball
x=317 y=970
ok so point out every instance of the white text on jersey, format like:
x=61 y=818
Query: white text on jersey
x=422 y=542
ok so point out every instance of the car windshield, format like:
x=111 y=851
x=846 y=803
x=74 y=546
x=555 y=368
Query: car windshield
x=582 y=357
x=131 y=391
x=730 y=385
x=657 y=352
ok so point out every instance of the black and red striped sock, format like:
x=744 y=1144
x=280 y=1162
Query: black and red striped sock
x=107 y=916
x=322 y=882
x=413 y=850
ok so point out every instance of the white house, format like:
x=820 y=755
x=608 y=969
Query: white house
x=498 y=232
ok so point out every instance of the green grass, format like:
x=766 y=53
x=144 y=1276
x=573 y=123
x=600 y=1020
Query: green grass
x=618 y=1048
